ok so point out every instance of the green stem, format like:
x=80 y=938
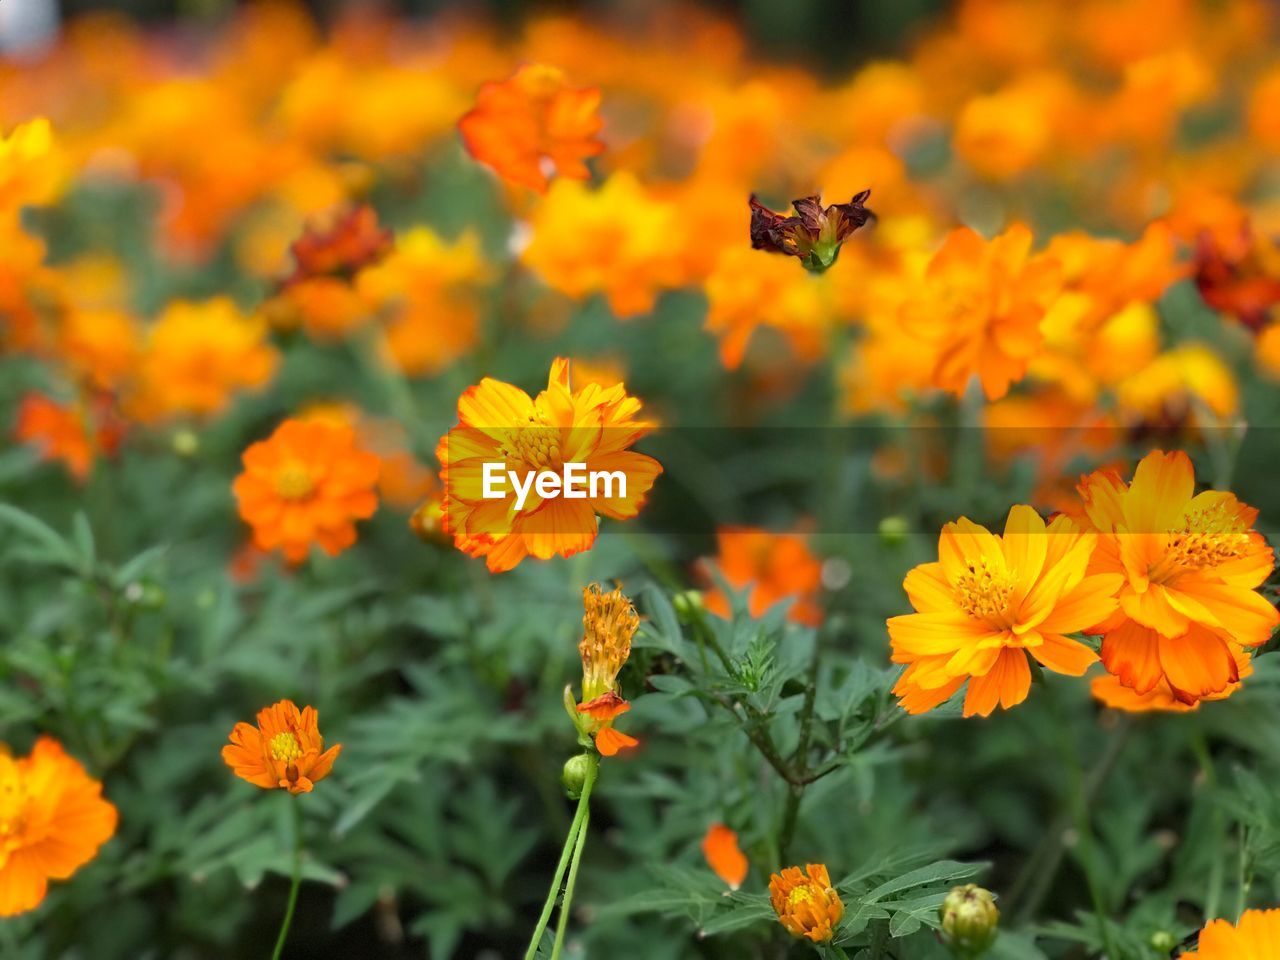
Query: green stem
x=1200 y=748
x=562 y=924
x=579 y=818
x=1246 y=875
x=295 y=814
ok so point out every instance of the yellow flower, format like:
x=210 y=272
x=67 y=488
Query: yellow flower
x=805 y=902
x=32 y=166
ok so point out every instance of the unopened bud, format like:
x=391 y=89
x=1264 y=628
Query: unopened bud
x=427 y=522
x=688 y=604
x=1163 y=941
x=574 y=775
x=893 y=530
x=969 y=921
x=186 y=443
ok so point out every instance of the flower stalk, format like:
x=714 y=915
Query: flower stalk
x=295 y=817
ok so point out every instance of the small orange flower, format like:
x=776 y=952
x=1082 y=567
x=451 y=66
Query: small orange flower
x=775 y=566
x=307 y=484
x=285 y=750
x=980 y=309
x=609 y=621
x=70 y=433
x=1190 y=565
x=720 y=847
x=53 y=819
x=99 y=345
x=1253 y=938
x=501 y=424
x=806 y=903
x=534 y=126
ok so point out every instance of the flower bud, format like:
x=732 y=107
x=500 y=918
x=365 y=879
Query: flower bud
x=969 y=920
x=893 y=531
x=574 y=775
x=186 y=442
x=1163 y=941
x=688 y=604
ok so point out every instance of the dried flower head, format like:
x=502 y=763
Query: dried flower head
x=814 y=235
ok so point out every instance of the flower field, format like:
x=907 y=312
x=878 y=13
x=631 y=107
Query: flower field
x=598 y=486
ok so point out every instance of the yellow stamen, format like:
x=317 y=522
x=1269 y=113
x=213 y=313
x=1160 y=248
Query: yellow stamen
x=983 y=591
x=285 y=746
x=608 y=623
x=294 y=482
x=1208 y=537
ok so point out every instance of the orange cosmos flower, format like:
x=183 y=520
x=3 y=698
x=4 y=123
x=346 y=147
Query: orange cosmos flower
x=720 y=847
x=196 y=355
x=1253 y=938
x=99 y=345
x=806 y=903
x=499 y=424
x=32 y=166
x=307 y=484
x=71 y=433
x=980 y=309
x=53 y=819
x=617 y=240
x=609 y=621
x=1112 y=693
x=284 y=750
x=1189 y=565
x=989 y=602
x=775 y=566
x=534 y=126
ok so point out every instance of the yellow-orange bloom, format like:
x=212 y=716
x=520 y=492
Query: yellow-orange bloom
x=71 y=433
x=32 y=167
x=53 y=819
x=989 y=602
x=1112 y=693
x=99 y=345
x=285 y=750
x=609 y=621
x=197 y=355
x=617 y=240
x=1255 y=937
x=534 y=126
x=774 y=567
x=1189 y=565
x=501 y=424
x=307 y=484
x=724 y=857
x=805 y=902
x=980 y=307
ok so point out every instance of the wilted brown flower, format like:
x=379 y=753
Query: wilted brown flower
x=815 y=235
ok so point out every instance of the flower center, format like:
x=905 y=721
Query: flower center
x=536 y=445
x=285 y=747
x=798 y=896
x=983 y=590
x=293 y=481
x=1208 y=538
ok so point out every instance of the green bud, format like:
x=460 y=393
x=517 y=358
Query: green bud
x=969 y=920
x=574 y=775
x=186 y=443
x=688 y=604
x=1163 y=940
x=893 y=530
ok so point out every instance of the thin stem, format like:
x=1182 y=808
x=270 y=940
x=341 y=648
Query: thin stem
x=1200 y=747
x=295 y=814
x=1245 y=876
x=563 y=924
x=579 y=818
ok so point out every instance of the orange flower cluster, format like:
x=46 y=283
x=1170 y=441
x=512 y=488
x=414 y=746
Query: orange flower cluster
x=1165 y=575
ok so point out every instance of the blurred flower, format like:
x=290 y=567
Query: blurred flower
x=196 y=355
x=805 y=902
x=814 y=235
x=1176 y=387
x=500 y=423
x=609 y=621
x=32 y=167
x=1241 y=280
x=990 y=602
x=341 y=243
x=720 y=847
x=1264 y=110
x=1189 y=565
x=53 y=819
x=1112 y=693
x=1255 y=935
x=772 y=567
x=618 y=240
x=72 y=433
x=534 y=126
x=307 y=484
x=285 y=750
x=746 y=290
x=1004 y=134
x=101 y=346
x=980 y=309
x=426 y=289
x=969 y=921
